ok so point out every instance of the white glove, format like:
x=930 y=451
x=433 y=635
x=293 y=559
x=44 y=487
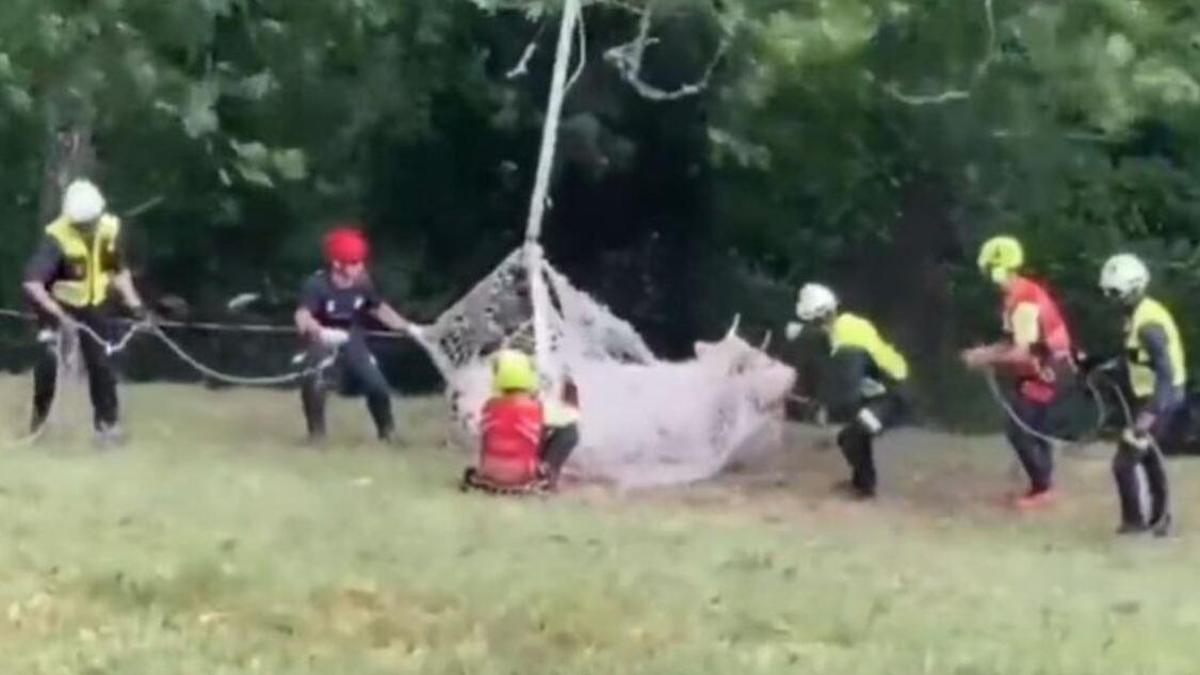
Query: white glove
x=870 y=421
x=333 y=337
x=871 y=388
x=793 y=330
x=415 y=331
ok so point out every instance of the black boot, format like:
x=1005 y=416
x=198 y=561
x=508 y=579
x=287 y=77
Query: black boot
x=851 y=490
x=109 y=437
x=1162 y=527
x=855 y=443
x=1124 y=468
x=387 y=436
x=1132 y=528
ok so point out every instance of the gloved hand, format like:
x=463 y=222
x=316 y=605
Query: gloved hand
x=1139 y=440
x=62 y=320
x=143 y=315
x=793 y=330
x=415 y=331
x=333 y=337
x=871 y=388
x=869 y=421
x=977 y=358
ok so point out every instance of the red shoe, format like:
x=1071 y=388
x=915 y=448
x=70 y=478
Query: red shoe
x=1033 y=500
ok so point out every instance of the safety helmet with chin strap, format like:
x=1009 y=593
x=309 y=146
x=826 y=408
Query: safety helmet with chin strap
x=1000 y=258
x=815 y=302
x=1124 y=277
x=82 y=202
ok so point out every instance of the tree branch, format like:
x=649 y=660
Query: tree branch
x=951 y=95
x=582 y=53
x=522 y=67
x=628 y=59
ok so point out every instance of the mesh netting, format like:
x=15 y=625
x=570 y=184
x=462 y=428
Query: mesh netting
x=644 y=421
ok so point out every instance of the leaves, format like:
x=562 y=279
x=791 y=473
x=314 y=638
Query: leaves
x=290 y=163
x=199 y=114
x=836 y=136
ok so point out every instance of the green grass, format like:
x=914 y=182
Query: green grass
x=215 y=543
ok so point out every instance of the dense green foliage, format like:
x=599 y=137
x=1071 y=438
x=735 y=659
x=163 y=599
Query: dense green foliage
x=872 y=143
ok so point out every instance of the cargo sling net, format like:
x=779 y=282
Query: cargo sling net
x=643 y=421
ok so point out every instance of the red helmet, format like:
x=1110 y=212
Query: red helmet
x=346 y=244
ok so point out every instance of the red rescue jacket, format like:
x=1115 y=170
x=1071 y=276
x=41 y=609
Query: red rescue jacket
x=512 y=438
x=1038 y=379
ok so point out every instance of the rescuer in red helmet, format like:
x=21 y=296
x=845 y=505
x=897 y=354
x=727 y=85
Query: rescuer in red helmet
x=335 y=306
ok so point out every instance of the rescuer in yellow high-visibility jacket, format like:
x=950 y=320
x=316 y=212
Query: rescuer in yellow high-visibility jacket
x=69 y=279
x=867 y=388
x=1157 y=372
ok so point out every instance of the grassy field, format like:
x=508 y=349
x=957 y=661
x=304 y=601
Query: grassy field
x=216 y=543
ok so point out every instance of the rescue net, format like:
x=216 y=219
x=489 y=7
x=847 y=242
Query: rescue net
x=644 y=421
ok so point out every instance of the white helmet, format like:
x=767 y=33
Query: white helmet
x=1124 y=276
x=815 y=302
x=83 y=202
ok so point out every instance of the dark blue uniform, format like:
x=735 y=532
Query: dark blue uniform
x=355 y=370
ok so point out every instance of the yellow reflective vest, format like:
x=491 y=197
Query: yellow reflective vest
x=1141 y=375
x=89 y=261
x=850 y=331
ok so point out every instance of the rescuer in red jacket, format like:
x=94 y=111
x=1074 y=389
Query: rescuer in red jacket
x=1036 y=352
x=525 y=442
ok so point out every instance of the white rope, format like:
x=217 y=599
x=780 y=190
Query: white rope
x=1126 y=411
x=582 y=54
x=213 y=327
x=262 y=381
x=62 y=338
x=114 y=347
x=110 y=347
x=1167 y=514
x=1101 y=413
x=539 y=200
x=522 y=67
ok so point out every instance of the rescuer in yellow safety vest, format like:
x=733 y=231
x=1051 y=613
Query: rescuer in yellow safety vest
x=68 y=279
x=1157 y=372
x=866 y=390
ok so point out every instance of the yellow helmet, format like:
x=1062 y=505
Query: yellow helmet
x=513 y=371
x=1000 y=257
